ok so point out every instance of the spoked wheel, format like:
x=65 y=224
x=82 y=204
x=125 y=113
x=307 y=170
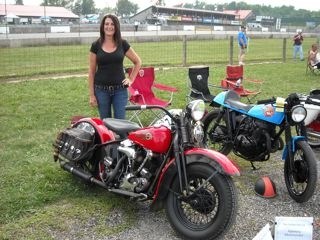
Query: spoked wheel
x=209 y=209
x=216 y=133
x=302 y=179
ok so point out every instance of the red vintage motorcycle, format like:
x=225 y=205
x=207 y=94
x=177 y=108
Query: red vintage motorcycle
x=160 y=163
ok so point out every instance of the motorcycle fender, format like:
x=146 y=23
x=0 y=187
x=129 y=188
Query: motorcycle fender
x=293 y=143
x=105 y=135
x=216 y=159
x=196 y=155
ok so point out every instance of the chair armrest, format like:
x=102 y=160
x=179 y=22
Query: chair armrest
x=230 y=83
x=133 y=92
x=164 y=87
x=196 y=91
x=253 y=80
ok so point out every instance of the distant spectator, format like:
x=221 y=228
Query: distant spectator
x=297 y=45
x=314 y=56
x=136 y=25
x=242 y=42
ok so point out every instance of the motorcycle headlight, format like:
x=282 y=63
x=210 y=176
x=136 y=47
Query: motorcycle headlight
x=196 y=109
x=198 y=133
x=298 y=113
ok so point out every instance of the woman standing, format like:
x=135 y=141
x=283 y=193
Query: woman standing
x=107 y=80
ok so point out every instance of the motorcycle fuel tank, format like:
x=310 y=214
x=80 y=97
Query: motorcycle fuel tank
x=267 y=113
x=156 y=139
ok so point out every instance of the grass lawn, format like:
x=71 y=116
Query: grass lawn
x=37 y=199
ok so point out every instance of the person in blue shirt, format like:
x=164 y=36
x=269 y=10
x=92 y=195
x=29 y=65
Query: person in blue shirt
x=242 y=42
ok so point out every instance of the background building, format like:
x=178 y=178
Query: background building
x=22 y=14
x=160 y=15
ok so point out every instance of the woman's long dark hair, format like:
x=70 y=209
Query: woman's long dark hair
x=117 y=33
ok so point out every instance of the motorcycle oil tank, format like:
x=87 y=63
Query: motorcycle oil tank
x=156 y=139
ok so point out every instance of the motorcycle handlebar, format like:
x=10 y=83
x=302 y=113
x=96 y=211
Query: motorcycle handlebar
x=313 y=101
x=136 y=107
x=264 y=101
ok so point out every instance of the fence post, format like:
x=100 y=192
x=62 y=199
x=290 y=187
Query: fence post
x=284 y=50
x=184 y=51
x=231 y=51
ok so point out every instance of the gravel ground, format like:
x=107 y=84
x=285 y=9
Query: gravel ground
x=254 y=212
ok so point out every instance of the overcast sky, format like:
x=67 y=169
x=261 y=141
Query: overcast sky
x=298 y=4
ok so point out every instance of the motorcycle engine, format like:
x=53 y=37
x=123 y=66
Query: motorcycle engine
x=253 y=141
x=128 y=167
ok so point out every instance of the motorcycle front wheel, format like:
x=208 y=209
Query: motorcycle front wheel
x=301 y=181
x=209 y=209
x=216 y=133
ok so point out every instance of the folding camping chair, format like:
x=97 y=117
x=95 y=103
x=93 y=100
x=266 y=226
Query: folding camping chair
x=310 y=68
x=141 y=92
x=199 y=88
x=234 y=80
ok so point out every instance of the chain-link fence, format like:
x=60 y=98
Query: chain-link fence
x=39 y=56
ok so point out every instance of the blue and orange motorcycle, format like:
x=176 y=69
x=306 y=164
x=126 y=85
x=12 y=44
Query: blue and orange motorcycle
x=253 y=132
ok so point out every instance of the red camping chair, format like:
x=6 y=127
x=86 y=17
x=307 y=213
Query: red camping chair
x=234 y=80
x=141 y=91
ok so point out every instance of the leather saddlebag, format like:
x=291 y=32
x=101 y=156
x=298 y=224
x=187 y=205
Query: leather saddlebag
x=74 y=144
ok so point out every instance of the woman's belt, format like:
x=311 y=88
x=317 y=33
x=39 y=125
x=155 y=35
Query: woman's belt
x=110 y=87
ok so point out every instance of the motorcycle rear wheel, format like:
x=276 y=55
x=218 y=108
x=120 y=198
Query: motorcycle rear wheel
x=216 y=139
x=209 y=212
x=302 y=180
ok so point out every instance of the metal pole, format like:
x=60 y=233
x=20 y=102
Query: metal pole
x=184 y=51
x=231 y=51
x=284 y=50
x=5 y=11
x=45 y=20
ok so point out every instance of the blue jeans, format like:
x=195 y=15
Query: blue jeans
x=297 y=49
x=109 y=100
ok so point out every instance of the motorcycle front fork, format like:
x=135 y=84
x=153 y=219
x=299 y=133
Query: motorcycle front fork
x=289 y=145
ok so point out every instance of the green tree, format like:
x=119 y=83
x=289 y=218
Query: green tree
x=88 y=7
x=58 y=3
x=160 y=3
x=19 y=2
x=125 y=8
x=107 y=10
x=77 y=7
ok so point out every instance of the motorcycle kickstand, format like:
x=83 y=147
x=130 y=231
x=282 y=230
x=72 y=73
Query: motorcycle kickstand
x=254 y=167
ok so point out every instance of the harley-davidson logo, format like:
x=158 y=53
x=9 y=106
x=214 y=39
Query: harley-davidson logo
x=144 y=136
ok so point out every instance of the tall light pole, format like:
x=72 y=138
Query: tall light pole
x=6 y=18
